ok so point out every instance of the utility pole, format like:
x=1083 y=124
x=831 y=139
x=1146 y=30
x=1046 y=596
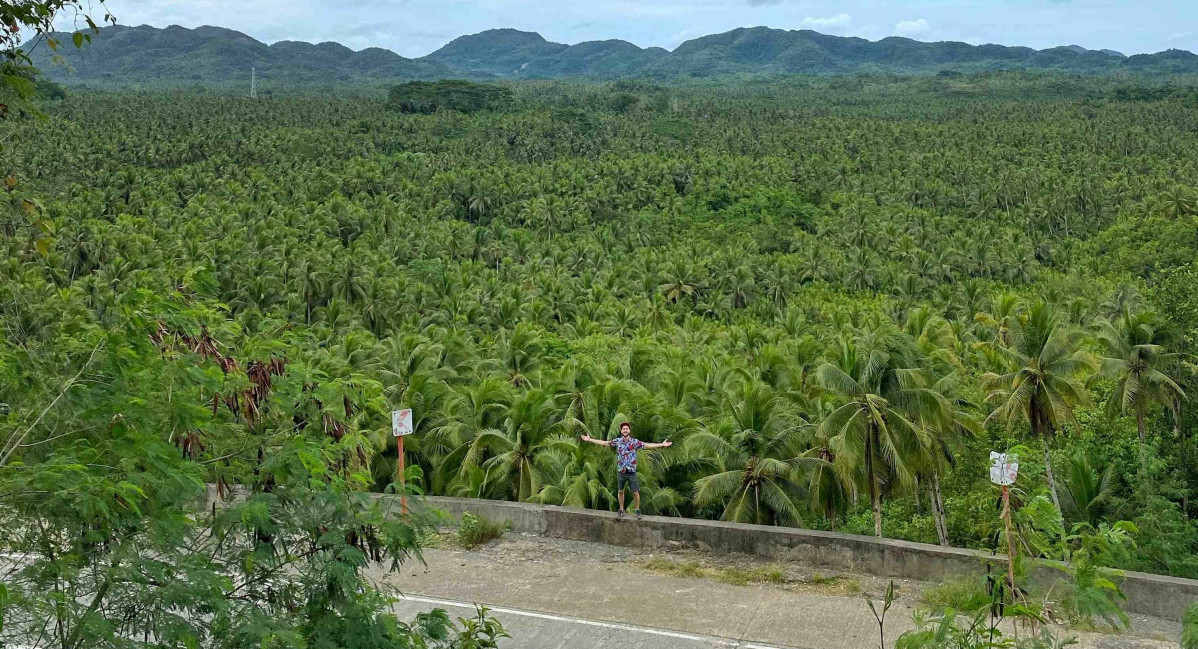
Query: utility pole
x=253 y=83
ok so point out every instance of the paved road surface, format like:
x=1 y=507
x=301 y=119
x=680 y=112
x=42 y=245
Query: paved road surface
x=555 y=594
x=533 y=630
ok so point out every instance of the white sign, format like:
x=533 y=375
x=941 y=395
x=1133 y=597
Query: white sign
x=1004 y=468
x=401 y=422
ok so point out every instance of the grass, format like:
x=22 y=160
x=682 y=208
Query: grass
x=742 y=576
x=432 y=538
x=965 y=595
x=729 y=575
x=835 y=583
x=478 y=530
x=688 y=569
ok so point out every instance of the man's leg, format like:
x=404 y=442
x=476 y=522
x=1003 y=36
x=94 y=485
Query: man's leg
x=621 y=480
x=636 y=492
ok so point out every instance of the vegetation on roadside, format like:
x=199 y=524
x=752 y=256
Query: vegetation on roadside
x=477 y=530
x=1189 y=628
x=736 y=575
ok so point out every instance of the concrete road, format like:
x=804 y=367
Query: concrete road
x=534 y=630
x=552 y=593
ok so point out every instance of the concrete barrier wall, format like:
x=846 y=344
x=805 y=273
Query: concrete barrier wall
x=1147 y=594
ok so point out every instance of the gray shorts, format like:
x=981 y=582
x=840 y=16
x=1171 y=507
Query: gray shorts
x=629 y=479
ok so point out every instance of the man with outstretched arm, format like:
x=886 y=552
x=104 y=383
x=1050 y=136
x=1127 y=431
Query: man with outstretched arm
x=626 y=447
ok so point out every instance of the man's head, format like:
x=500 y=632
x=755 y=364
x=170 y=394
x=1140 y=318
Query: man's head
x=625 y=429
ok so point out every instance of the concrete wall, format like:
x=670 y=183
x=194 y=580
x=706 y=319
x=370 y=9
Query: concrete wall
x=1148 y=594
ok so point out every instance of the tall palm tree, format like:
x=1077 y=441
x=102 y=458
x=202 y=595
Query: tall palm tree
x=948 y=427
x=1040 y=387
x=1134 y=355
x=827 y=488
x=875 y=433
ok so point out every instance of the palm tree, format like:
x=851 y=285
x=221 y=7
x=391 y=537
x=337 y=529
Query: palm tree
x=1005 y=308
x=1044 y=360
x=406 y=356
x=677 y=283
x=574 y=476
x=522 y=355
x=948 y=427
x=740 y=285
x=827 y=488
x=754 y=453
x=1087 y=492
x=471 y=410
x=528 y=429
x=1134 y=355
x=872 y=434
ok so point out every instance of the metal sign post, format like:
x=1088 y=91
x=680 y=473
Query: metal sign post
x=1004 y=468
x=401 y=426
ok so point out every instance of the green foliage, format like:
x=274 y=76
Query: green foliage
x=888 y=600
x=103 y=471
x=804 y=284
x=1189 y=628
x=1093 y=592
x=432 y=96
x=964 y=595
x=1086 y=492
x=19 y=80
x=952 y=630
x=479 y=530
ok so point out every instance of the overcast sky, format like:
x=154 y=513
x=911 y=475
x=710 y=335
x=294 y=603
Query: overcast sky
x=416 y=27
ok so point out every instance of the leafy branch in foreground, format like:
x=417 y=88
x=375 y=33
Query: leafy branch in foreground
x=113 y=537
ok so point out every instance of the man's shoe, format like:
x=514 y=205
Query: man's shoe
x=620 y=514
x=637 y=513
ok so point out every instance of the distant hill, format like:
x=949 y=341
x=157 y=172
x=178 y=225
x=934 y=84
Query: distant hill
x=776 y=51
x=503 y=52
x=214 y=54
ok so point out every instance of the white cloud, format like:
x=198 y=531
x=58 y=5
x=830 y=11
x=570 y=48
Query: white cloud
x=912 y=28
x=1177 y=36
x=831 y=25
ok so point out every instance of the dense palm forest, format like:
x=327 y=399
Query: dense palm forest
x=835 y=296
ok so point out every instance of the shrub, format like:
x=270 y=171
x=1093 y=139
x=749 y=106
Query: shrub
x=477 y=530
x=1189 y=629
x=965 y=595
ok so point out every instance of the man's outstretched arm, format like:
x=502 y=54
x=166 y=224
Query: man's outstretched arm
x=599 y=442
x=665 y=444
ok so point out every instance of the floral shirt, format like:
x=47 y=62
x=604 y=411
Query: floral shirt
x=626 y=452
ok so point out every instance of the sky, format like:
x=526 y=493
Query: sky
x=414 y=28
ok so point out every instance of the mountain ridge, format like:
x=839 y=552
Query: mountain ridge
x=217 y=54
